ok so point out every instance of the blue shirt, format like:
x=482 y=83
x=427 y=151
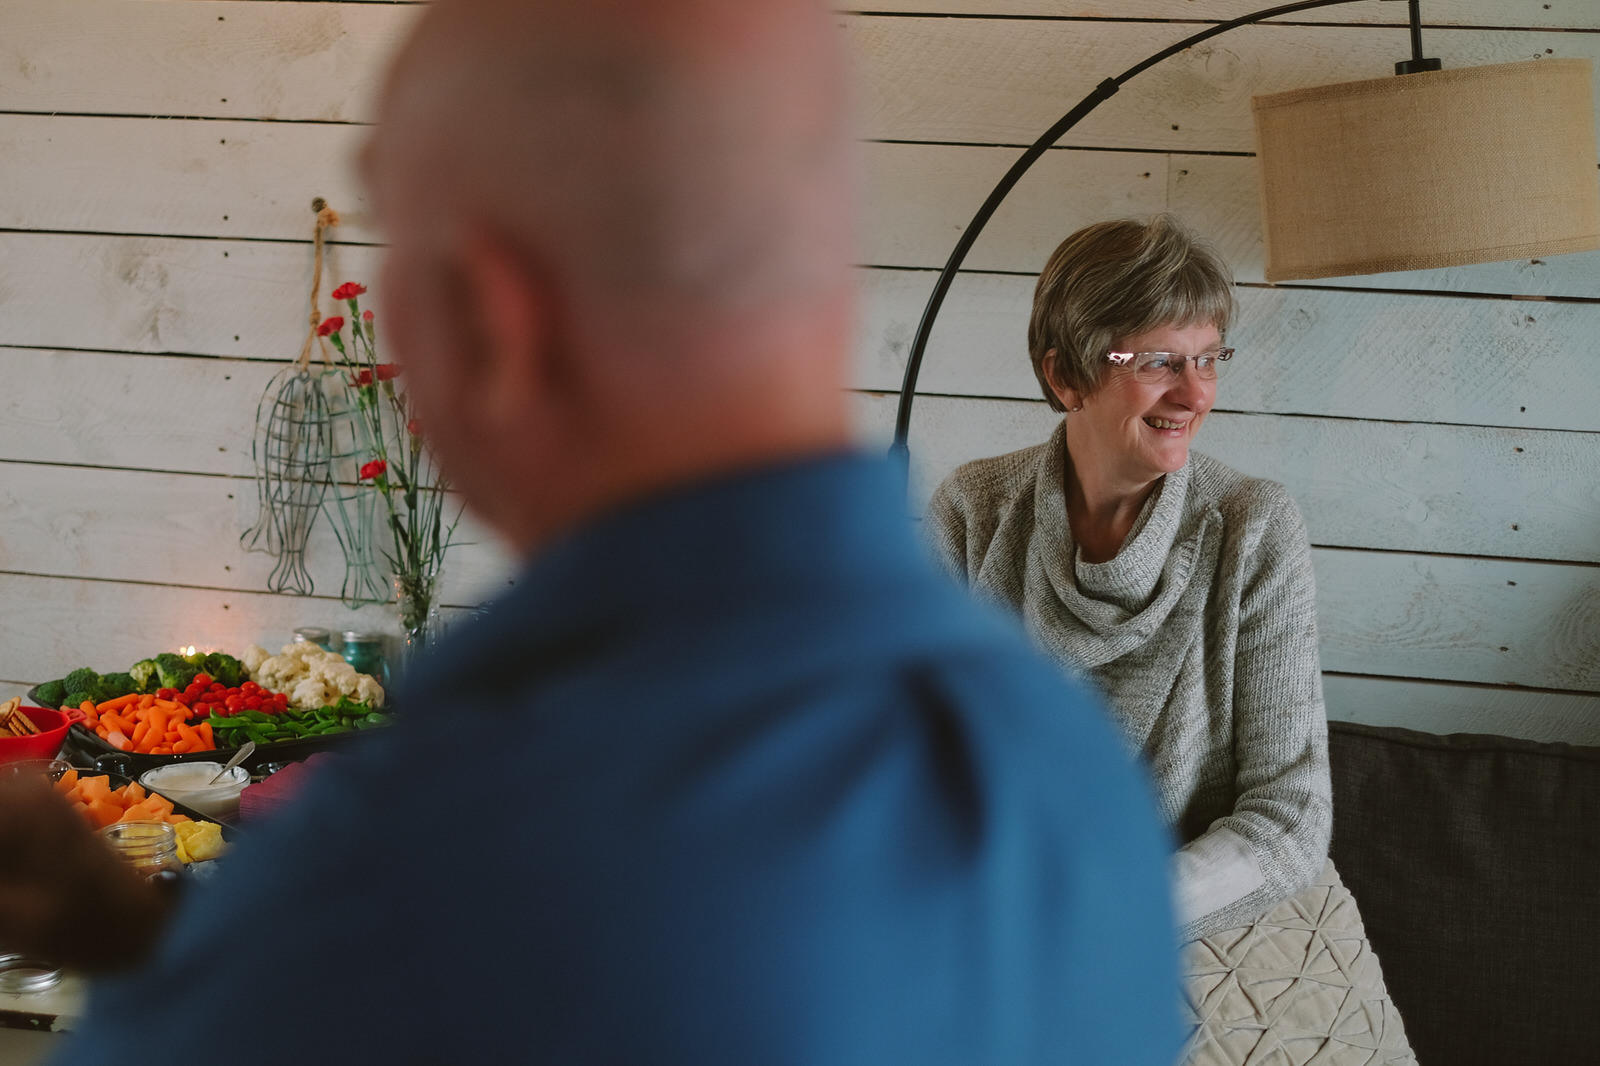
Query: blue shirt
x=731 y=777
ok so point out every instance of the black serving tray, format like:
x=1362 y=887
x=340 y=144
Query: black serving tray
x=84 y=748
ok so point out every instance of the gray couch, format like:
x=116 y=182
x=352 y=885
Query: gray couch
x=1475 y=861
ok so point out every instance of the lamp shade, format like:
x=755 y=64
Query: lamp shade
x=1427 y=170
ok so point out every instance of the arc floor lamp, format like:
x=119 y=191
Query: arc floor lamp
x=1430 y=168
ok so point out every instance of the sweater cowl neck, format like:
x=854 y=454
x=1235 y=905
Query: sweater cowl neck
x=1121 y=603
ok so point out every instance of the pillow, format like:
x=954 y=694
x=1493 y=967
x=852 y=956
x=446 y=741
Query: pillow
x=1476 y=860
x=1299 y=985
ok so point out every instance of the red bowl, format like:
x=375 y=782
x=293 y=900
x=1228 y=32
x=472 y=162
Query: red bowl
x=41 y=745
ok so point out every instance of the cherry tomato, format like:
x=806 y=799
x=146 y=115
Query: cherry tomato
x=252 y=702
x=166 y=693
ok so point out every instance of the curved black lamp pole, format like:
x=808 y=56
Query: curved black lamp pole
x=899 y=450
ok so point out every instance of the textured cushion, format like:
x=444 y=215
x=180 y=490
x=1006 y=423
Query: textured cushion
x=1477 y=863
x=1301 y=985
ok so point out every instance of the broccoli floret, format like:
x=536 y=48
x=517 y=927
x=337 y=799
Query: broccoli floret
x=225 y=669
x=114 y=685
x=83 y=679
x=173 y=671
x=195 y=659
x=143 y=673
x=76 y=699
x=52 y=693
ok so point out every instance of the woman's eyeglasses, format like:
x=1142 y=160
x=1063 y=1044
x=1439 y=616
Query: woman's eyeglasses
x=1152 y=367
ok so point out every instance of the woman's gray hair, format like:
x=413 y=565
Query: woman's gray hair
x=1116 y=279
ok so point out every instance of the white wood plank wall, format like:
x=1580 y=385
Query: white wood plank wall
x=1439 y=429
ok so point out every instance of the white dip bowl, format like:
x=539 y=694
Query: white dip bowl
x=186 y=783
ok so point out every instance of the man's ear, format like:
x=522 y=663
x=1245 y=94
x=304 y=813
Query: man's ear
x=508 y=323
x=1070 y=397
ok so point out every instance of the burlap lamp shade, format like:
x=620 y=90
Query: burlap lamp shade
x=1428 y=170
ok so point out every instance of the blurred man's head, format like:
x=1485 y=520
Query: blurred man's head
x=621 y=235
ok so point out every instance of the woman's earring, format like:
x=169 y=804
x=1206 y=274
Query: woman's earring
x=1071 y=410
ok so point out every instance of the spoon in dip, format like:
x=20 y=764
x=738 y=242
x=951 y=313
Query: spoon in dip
x=238 y=757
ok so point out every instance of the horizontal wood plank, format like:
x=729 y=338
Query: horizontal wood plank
x=123 y=525
x=1458 y=490
x=1342 y=354
x=180 y=177
x=1567 y=14
x=1550 y=717
x=1491 y=621
x=923 y=196
x=194 y=415
x=318 y=62
x=1006 y=81
x=158 y=294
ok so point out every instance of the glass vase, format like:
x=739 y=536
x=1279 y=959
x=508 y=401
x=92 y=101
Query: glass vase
x=416 y=596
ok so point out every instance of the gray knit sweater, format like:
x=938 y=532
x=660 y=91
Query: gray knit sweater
x=1202 y=634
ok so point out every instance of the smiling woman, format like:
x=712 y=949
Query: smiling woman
x=1182 y=587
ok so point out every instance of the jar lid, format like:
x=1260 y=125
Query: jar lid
x=20 y=975
x=352 y=636
x=313 y=634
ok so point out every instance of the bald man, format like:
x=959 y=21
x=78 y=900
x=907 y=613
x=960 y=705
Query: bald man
x=730 y=777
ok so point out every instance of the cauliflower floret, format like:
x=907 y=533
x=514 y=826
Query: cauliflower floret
x=253 y=657
x=309 y=694
x=278 y=672
x=368 y=690
x=340 y=677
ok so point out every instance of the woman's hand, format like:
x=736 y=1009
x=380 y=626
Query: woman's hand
x=65 y=896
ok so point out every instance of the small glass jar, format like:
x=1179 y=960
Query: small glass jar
x=20 y=975
x=364 y=651
x=315 y=635
x=150 y=847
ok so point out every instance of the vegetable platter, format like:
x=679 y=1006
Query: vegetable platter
x=172 y=707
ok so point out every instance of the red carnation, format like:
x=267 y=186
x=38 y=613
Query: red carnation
x=388 y=371
x=330 y=325
x=373 y=469
x=366 y=316
x=348 y=291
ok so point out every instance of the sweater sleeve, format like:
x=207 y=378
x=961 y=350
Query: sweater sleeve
x=1275 y=842
x=946 y=528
